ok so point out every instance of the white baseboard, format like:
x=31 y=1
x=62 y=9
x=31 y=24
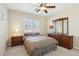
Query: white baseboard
x=76 y=48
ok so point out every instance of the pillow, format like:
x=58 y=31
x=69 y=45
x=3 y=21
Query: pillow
x=30 y=34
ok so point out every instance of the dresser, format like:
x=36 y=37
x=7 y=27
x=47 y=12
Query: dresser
x=63 y=40
x=16 y=40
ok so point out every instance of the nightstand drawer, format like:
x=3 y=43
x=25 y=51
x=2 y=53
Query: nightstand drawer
x=16 y=43
x=16 y=38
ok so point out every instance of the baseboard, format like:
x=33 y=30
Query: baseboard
x=5 y=48
x=76 y=48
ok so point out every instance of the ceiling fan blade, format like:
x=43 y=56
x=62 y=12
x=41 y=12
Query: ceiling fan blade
x=46 y=11
x=50 y=6
x=38 y=10
x=41 y=4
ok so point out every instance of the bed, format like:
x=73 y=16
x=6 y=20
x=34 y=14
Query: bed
x=39 y=45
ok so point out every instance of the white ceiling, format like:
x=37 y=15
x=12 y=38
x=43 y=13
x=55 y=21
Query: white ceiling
x=30 y=7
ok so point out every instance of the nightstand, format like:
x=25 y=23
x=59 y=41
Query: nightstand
x=16 y=40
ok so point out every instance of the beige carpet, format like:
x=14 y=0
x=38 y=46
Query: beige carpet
x=20 y=51
x=16 y=51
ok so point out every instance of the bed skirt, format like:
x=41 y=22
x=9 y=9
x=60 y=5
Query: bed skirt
x=43 y=50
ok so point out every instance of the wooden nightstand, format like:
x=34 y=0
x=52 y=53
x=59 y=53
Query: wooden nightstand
x=16 y=40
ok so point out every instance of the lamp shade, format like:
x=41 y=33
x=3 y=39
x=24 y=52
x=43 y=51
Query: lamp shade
x=51 y=26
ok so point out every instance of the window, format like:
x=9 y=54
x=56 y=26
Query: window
x=31 y=25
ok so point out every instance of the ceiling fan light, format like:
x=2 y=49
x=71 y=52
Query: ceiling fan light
x=43 y=8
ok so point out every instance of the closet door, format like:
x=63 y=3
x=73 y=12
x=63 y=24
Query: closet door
x=2 y=36
x=3 y=29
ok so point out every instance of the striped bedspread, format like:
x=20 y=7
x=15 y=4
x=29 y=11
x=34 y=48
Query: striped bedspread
x=39 y=45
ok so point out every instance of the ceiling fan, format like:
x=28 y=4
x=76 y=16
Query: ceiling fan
x=44 y=7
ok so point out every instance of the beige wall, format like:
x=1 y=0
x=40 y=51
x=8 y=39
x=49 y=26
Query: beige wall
x=16 y=21
x=73 y=14
x=3 y=29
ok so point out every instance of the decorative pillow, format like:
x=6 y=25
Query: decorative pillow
x=30 y=34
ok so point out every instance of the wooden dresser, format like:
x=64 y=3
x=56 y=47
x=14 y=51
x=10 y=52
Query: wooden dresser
x=63 y=40
x=16 y=40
